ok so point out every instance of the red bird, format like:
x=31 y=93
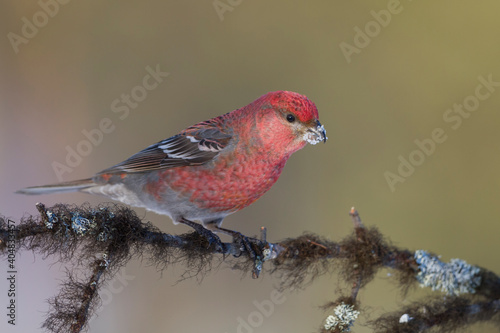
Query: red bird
x=211 y=169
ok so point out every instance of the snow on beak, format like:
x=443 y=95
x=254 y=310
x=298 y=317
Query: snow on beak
x=315 y=134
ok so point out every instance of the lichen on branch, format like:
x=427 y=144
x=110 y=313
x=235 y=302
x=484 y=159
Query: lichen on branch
x=95 y=242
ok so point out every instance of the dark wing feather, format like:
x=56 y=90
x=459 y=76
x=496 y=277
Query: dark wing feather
x=194 y=146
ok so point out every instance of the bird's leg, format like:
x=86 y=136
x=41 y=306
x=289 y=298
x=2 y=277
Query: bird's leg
x=253 y=249
x=209 y=235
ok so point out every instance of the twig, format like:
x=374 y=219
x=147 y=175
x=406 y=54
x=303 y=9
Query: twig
x=100 y=240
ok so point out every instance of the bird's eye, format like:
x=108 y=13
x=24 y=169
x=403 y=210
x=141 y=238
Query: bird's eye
x=290 y=118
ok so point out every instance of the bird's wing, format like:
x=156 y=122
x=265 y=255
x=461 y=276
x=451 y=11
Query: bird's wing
x=194 y=146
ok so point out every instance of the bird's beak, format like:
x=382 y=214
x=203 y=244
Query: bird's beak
x=316 y=134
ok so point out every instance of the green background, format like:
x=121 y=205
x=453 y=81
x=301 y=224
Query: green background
x=393 y=92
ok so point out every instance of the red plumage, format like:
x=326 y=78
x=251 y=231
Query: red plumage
x=213 y=168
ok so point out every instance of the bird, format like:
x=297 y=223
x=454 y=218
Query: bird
x=211 y=169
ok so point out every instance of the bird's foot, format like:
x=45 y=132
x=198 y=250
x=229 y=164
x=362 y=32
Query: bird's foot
x=211 y=237
x=249 y=246
x=246 y=245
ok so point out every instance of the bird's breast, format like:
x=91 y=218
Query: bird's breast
x=224 y=185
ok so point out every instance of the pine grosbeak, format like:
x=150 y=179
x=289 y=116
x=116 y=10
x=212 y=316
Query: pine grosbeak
x=211 y=169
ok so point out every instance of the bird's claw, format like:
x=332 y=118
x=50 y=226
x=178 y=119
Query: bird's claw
x=253 y=250
x=213 y=239
x=210 y=236
x=244 y=244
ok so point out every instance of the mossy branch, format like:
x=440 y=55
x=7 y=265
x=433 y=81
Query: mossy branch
x=100 y=240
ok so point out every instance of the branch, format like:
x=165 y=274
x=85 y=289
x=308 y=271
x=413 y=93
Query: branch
x=97 y=241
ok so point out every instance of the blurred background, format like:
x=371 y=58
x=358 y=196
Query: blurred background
x=382 y=74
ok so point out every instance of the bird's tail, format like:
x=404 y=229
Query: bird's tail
x=71 y=186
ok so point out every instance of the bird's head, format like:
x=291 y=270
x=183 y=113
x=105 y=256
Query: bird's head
x=289 y=120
